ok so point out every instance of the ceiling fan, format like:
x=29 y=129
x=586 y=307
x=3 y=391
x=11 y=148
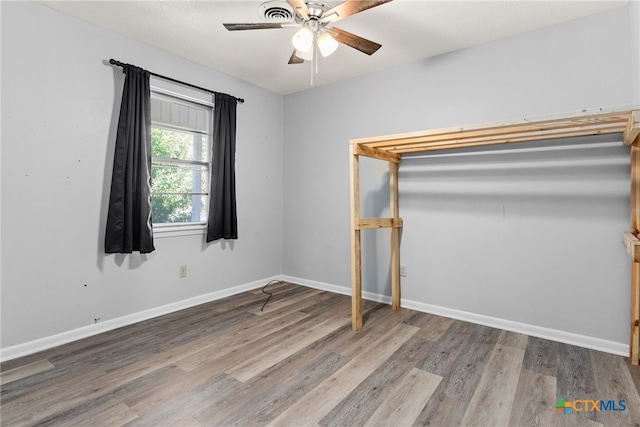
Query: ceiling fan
x=314 y=20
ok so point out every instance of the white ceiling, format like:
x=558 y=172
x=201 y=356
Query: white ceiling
x=409 y=30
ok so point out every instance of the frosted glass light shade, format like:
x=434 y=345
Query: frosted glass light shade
x=327 y=44
x=307 y=56
x=303 y=39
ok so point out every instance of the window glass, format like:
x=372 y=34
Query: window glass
x=180 y=149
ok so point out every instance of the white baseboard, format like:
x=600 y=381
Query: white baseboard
x=40 y=344
x=370 y=296
x=35 y=346
x=585 y=341
x=621 y=349
x=317 y=285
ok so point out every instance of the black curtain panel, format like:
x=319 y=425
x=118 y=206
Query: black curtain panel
x=222 y=222
x=129 y=218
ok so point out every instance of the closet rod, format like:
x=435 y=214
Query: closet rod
x=120 y=64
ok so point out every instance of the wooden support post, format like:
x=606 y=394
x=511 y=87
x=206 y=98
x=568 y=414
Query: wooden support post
x=395 y=236
x=635 y=190
x=356 y=261
x=635 y=313
x=634 y=342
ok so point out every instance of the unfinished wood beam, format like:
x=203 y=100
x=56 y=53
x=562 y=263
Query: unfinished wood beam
x=632 y=130
x=377 y=153
x=553 y=130
x=364 y=223
x=356 y=255
x=634 y=341
x=632 y=244
x=586 y=118
x=501 y=139
x=635 y=190
x=583 y=123
x=395 y=236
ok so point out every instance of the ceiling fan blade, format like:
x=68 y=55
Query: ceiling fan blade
x=348 y=8
x=300 y=7
x=356 y=42
x=294 y=58
x=261 y=26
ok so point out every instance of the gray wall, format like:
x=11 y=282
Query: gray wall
x=58 y=106
x=527 y=233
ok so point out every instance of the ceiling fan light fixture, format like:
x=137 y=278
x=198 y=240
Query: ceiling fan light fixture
x=307 y=56
x=327 y=44
x=303 y=39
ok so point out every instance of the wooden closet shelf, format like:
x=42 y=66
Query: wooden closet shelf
x=584 y=123
x=390 y=148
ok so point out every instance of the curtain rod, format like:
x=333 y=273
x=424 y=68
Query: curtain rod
x=120 y=64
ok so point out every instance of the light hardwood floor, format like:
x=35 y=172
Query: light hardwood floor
x=298 y=363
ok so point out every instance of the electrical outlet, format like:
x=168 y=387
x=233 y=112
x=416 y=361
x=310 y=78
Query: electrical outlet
x=182 y=271
x=403 y=270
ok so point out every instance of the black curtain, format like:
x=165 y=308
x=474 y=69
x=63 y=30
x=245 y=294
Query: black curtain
x=222 y=222
x=129 y=217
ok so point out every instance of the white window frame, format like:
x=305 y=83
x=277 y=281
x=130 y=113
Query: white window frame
x=161 y=230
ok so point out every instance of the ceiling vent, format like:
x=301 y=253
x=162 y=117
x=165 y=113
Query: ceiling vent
x=276 y=11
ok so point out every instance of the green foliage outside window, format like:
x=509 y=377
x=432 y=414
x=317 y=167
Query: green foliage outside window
x=172 y=184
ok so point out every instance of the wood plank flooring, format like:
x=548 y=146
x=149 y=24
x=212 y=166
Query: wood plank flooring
x=298 y=363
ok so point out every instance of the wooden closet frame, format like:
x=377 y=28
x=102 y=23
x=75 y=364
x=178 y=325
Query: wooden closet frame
x=390 y=148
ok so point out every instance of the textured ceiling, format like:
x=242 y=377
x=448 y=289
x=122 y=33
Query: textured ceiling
x=408 y=30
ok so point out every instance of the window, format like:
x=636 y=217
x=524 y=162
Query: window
x=180 y=163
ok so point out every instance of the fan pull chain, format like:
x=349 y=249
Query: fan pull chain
x=314 y=58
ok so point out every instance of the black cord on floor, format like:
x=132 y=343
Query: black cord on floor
x=270 y=294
